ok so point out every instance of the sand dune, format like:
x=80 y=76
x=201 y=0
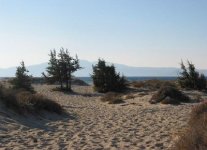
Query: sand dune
x=92 y=124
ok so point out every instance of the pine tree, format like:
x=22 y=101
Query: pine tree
x=68 y=65
x=22 y=80
x=61 y=69
x=190 y=78
x=193 y=76
x=53 y=70
x=106 y=79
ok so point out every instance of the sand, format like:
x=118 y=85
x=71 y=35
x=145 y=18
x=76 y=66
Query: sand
x=93 y=124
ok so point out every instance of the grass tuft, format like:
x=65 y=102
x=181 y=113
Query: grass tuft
x=112 y=98
x=195 y=136
x=169 y=95
x=23 y=101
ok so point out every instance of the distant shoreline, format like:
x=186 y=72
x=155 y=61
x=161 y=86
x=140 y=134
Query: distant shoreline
x=89 y=81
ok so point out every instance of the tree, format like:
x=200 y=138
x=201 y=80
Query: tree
x=61 y=69
x=22 y=80
x=68 y=65
x=190 y=78
x=106 y=79
x=53 y=70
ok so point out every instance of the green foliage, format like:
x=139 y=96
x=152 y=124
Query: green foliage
x=61 y=67
x=190 y=78
x=22 y=80
x=53 y=70
x=106 y=79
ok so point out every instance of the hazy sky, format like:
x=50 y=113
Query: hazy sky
x=133 y=32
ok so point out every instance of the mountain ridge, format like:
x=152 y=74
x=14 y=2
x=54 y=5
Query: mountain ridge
x=36 y=70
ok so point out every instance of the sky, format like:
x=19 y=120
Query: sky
x=142 y=33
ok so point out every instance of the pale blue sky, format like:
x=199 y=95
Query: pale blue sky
x=154 y=33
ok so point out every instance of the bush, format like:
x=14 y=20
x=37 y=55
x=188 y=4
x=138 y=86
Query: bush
x=22 y=80
x=195 y=136
x=23 y=101
x=190 y=78
x=105 y=78
x=112 y=98
x=169 y=95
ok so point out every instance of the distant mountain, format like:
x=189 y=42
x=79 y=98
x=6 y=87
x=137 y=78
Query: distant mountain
x=36 y=70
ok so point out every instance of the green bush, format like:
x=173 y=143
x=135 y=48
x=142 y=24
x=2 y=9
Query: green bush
x=22 y=80
x=105 y=78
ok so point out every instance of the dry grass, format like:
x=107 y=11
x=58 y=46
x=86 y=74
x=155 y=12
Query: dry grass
x=195 y=136
x=152 y=84
x=130 y=96
x=24 y=102
x=112 y=98
x=169 y=95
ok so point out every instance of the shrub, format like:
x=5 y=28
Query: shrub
x=23 y=101
x=169 y=95
x=105 y=78
x=195 y=136
x=37 y=102
x=22 y=80
x=112 y=98
x=190 y=78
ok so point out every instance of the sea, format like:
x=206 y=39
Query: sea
x=89 y=79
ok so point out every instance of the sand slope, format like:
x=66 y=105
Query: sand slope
x=93 y=124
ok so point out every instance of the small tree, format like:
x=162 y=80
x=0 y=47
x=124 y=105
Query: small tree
x=190 y=78
x=61 y=69
x=22 y=80
x=53 y=70
x=68 y=65
x=106 y=79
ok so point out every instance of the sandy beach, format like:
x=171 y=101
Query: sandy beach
x=93 y=124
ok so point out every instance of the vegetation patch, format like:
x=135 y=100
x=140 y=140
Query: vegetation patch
x=152 y=84
x=60 y=68
x=195 y=136
x=112 y=98
x=23 y=101
x=191 y=79
x=169 y=95
x=22 y=80
x=106 y=79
